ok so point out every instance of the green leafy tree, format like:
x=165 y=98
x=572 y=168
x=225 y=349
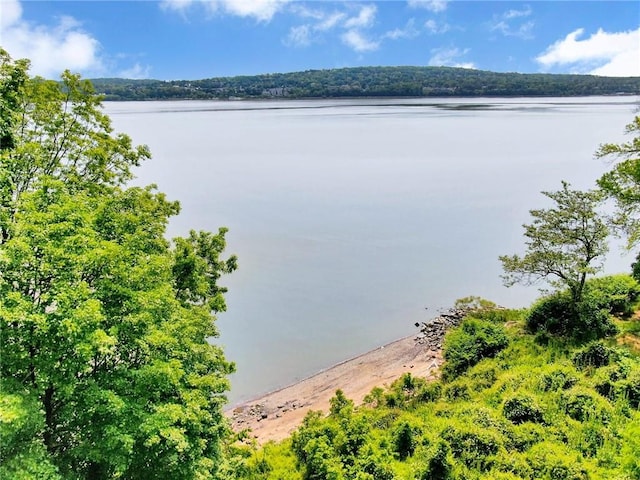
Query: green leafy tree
x=622 y=182
x=104 y=323
x=563 y=243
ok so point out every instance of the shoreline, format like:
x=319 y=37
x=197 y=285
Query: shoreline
x=258 y=397
x=275 y=415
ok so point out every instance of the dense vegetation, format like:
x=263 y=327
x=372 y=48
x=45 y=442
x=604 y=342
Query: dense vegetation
x=370 y=82
x=513 y=406
x=106 y=369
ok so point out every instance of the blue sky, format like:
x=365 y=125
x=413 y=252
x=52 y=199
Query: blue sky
x=191 y=39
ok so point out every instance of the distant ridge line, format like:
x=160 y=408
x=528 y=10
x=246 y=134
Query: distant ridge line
x=358 y=82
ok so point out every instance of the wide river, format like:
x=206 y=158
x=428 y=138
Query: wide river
x=354 y=219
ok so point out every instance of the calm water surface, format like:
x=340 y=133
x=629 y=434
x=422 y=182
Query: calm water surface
x=350 y=218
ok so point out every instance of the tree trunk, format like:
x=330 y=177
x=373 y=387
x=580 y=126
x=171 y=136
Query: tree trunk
x=47 y=402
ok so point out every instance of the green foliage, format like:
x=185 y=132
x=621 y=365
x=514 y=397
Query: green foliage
x=553 y=461
x=583 y=404
x=557 y=379
x=471 y=342
x=370 y=82
x=563 y=243
x=595 y=354
x=527 y=413
x=104 y=323
x=438 y=465
x=622 y=182
x=474 y=446
x=22 y=456
x=405 y=439
x=340 y=405
x=558 y=314
x=616 y=293
x=522 y=408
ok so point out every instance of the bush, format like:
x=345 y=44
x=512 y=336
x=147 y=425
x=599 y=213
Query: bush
x=631 y=389
x=458 y=390
x=558 y=379
x=429 y=392
x=617 y=293
x=520 y=409
x=557 y=314
x=472 y=341
x=581 y=404
x=372 y=466
x=596 y=354
x=472 y=445
x=553 y=461
x=438 y=465
x=405 y=439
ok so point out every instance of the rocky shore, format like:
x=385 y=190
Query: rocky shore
x=276 y=415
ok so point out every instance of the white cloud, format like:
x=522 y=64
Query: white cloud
x=525 y=12
x=408 y=31
x=261 y=10
x=51 y=49
x=306 y=34
x=365 y=17
x=176 y=5
x=299 y=36
x=11 y=12
x=434 y=27
x=353 y=27
x=330 y=21
x=357 y=41
x=449 y=57
x=431 y=5
x=512 y=23
x=136 y=71
x=603 y=53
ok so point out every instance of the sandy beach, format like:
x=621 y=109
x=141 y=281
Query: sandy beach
x=276 y=415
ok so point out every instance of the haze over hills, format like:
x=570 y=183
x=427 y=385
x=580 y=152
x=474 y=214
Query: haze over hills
x=370 y=82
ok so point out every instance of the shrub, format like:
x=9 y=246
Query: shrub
x=472 y=341
x=558 y=314
x=472 y=445
x=596 y=354
x=321 y=460
x=524 y=436
x=373 y=467
x=617 y=293
x=520 y=409
x=580 y=404
x=458 y=390
x=552 y=461
x=438 y=465
x=483 y=376
x=558 y=379
x=405 y=439
x=631 y=388
x=429 y=392
x=340 y=405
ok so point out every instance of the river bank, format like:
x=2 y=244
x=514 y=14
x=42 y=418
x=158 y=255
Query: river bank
x=276 y=415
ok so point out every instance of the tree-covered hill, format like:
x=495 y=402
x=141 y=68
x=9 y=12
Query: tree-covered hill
x=370 y=82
